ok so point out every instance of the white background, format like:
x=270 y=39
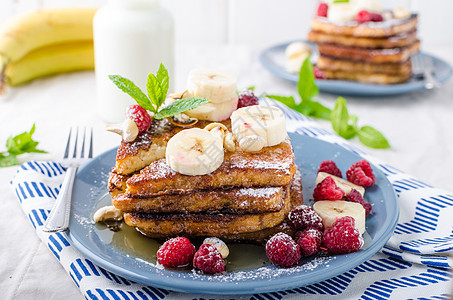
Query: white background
x=257 y=22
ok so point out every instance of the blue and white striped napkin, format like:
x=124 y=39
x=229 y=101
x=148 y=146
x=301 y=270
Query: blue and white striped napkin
x=415 y=263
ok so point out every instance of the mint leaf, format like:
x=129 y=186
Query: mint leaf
x=340 y=1
x=371 y=137
x=306 y=85
x=314 y=109
x=17 y=145
x=164 y=82
x=342 y=123
x=23 y=143
x=179 y=106
x=8 y=160
x=154 y=90
x=134 y=91
x=287 y=100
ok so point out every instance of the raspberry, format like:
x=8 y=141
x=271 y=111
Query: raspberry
x=355 y=196
x=318 y=73
x=343 y=237
x=140 y=116
x=363 y=16
x=360 y=173
x=176 y=252
x=330 y=167
x=304 y=216
x=282 y=250
x=247 y=98
x=309 y=241
x=322 y=9
x=209 y=260
x=376 y=17
x=327 y=190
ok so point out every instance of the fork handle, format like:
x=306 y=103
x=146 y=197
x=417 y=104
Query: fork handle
x=430 y=80
x=58 y=220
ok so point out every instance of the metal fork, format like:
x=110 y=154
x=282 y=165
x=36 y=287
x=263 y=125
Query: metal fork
x=58 y=219
x=422 y=65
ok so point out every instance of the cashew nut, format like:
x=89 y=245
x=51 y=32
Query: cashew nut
x=128 y=130
x=228 y=142
x=219 y=244
x=108 y=213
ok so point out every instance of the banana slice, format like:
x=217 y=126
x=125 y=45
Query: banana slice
x=194 y=152
x=214 y=85
x=341 y=12
x=214 y=111
x=267 y=122
x=330 y=211
x=345 y=185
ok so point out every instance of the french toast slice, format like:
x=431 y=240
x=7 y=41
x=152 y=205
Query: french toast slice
x=393 y=55
x=397 y=41
x=372 y=78
x=149 y=146
x=249 y=236
x=335 y=64
x=271 y=166
x=369 y=29
x=231 y=201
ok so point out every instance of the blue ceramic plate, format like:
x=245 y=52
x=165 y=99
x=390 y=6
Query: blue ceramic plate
x=116 y=251
x=273 y=59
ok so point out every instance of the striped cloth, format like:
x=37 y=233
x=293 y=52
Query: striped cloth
x=414 y=264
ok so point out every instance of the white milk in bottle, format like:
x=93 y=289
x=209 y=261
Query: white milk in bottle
x=131 y=39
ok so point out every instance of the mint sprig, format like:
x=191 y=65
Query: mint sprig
x=17 y=145
x=342 y=122
x=157 y=88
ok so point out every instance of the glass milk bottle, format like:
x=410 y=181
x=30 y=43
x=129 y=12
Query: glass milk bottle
x=131 y=39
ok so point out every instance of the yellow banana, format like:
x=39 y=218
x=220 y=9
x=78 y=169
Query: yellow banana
x=53 y=59
x=24 y=33
x=40 y=34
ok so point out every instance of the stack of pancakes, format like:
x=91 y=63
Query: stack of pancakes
x=246 y=199
x=371 y=52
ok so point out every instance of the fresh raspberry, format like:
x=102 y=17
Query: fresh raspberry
x=322 y=9
x=327 y=190
x=247 y=98
x=363 y=16
x=360 y=173
x=140 y=116
x=304 y=216
x=318 y=73
x=209 y=260
x=376 y=17
x=330 y=167
x=342 y=237
x=355 y=196
x=282 y=250
x=176 y=252
x=309 y=241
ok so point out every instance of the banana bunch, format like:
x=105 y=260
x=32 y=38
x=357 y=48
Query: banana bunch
x=45 y=42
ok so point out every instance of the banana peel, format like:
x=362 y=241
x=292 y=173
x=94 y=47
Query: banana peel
x=54 y=59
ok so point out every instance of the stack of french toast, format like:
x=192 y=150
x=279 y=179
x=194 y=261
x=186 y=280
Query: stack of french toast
x=357 y=40
x=168 y=183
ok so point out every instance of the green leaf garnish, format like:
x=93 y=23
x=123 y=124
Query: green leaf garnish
x=340 y=1
x=134 y=91
x=287 y=100
x=306 y=85
x=342 y=122
x=17 y=145
x=157 y=88
x=372 y=138
x=179 y=106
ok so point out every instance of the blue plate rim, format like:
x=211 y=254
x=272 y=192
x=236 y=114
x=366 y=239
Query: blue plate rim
x=188 y=285
x=352 y=88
